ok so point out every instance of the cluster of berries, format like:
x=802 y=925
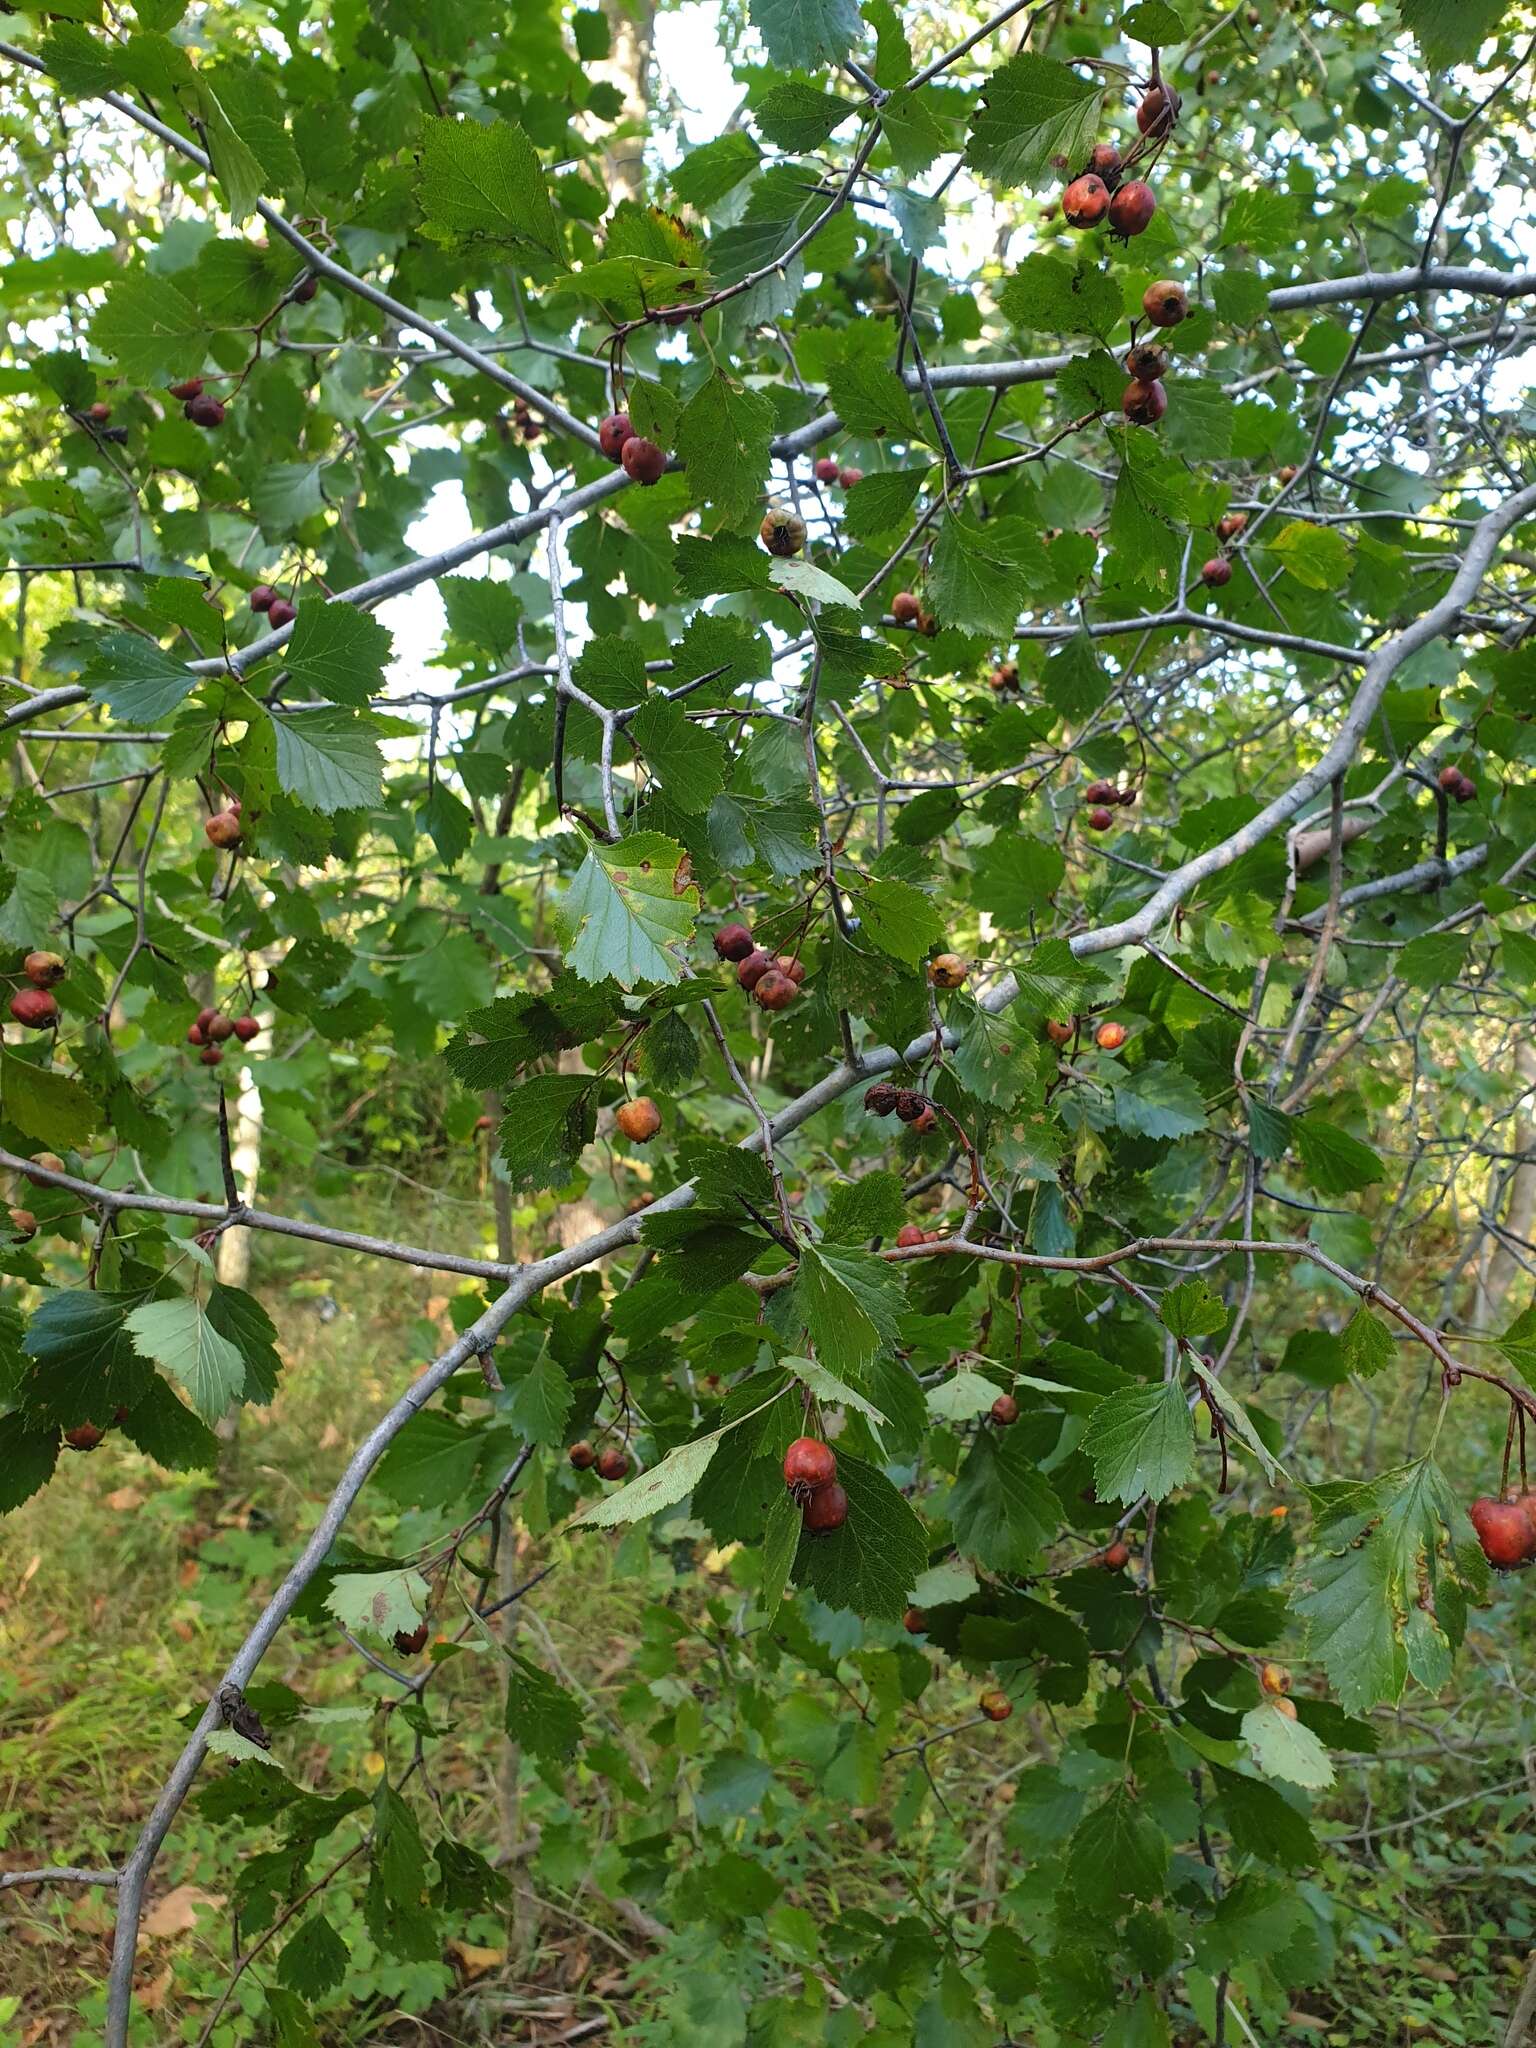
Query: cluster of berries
x=771 y=979
x=810 y=1473
x=35 y=1006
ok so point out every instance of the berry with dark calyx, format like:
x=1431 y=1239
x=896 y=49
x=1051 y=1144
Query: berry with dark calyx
x=85 y=1436
x=1165 y=303
x=915 y=1622
x=219 y=1027
x=1109 y=1037
x=774 y=991
x=1005 y=676
x=1216 y=572
x=211 y=1056
x=1144 y=404
x=1085 y=201
x=1057 y=1033
x=995 y=1705
x=1158 y=111
x=409 y=1642
x=195 y=1035
x=1146 y=362
x=189 y=387
x=786 y=963
x=246 y=1028
x=910 y=1234
x=928 y=1121
x=23 y=1222
x=612 y=433
x=910 y=1105
x=947 y=970
x=306 y=288
x=204 y=411
x=782 y=531
x=1099 y=819
x=639 y=1120
x=281 y=613
x=35 y=1008
x=1101 y=793
x=1105 y=160
x=809 y=1463
x=582 y=1456
x=881 y=1099
x=1286 y=473
x=1284 y=1706
x=612 y=1463
x=928 y=625
x=750 y=971
x=263 y=597
x=1230 y=525
x=1116 y=1556
x=905 y=608
x=1004 y=1410
x=848 y=476
x=826 y=469
x=1449 y=777
x=1503 y=1530
x=223 y=829
x=1275 y=1678
x=1465 y=790
x=643 y=461
x=1131 y=209
x=825 y=1510
x=43 y=970
x=733 y=942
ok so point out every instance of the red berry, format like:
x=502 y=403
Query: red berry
x=848 y=476
x=639 y=1120
x=1144 y=404
x=795 y=969
x=947 y=970
x=1449 y=777
x=1503 y=1530
x=612 y=433
x=189 y=387
x=909 y=1235
x=195 y=1035
x=1105 y=160
x=1117 y=1556
x=1147 y=362
x=34 y=1008
x=1085 y=201
x=1004 y=1410
x=306 y=288
x=1132 y=208
x=825 y=1510
x=43 y=970
x=204 y=411
x=1101 y=793
x=1158 y=111
x=1057 y=1033
x=281 y=613
x=223 y=829
x=246 y=1029
x=1465 y=789
x=1109 y=1037
x=809 y=1463
x=218 y=1028
x=734 y=942
x=910 y=1105
x=1099 y=819
x=881 y=1099
x=1165 y=303
x=582 y=1455
x=612 y=1463
x=1230 y=525
x=1216 y=572
x=100 y=412
x=774 y=991
x=85 y=1436
x=211 y=1056
x=409 y=1642
x=826 y=469
x=915 y=1622
x=643 y=460
x=995 y=1705
x=905 y=608
x=263 y=597
x=750 y=971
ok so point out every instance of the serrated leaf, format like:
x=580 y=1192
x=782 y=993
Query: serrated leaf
x=826 y=1386
x=900 y=919
x=781 y=1539
x=850 y=1302
x=484 y=184
x=150 y=328
x=1191 y=1310
x=28 y=1454
x=1332 y=1161
x=1286 y=1748
x=1159 y=1101
x=802 y=35
x=51 y=1107
x=1002 y=1508
x=1141 y=1441
x=379 y=1605
x=974 y=582
x=177 y=1336
x=687 y=759
x=814 y=584
x=337 y=651
x=327 y=760
x=139 y=680
x=625 y=912
x=723 y=434
x=663 y=1486
x=549 y=1122
x=872 y=1562
x=1367 y=1344
x=1016 y=876
x=1032 y=110
x=540 y=1714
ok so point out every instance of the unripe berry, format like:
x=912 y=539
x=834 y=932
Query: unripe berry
x=189 y=387
x=612 y=1463
x=826 y=469
x=612 y=433
x=223 y=829
x=910 y=1234
x=1286 y=473
x=43 y=970
x=263 y=597
x=782 y=531
x=774 y=991
x=1109 y=1037
x=1284 y=1706
x=246 y=1029
x=1004 y=1410
x=1230 y=525
x=1116 y=1557
x=995 y=1705
x=1275 y=1678
x=643 y=460
x=825 y=1510
x=809 y=1463
x=1099 y=819
x=750 y=971
x=23 y=1222
x=639 y=1120
x=1216 y=572
x=1144 y=404
x=733 y=942
x=1165 y=303
x=1131 y=209
x=281 y=613
x=34 y=1008
x=50 y=1162
x=905 y=608
x=1085 y=201
x=204 y=411
x=582 y=1455
x=1158 y=111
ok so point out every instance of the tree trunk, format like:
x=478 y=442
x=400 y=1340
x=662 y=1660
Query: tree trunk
x=631 y=32
x=1499 y=1262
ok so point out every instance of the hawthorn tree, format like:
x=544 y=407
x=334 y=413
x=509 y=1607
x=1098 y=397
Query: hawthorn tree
x=974 y=757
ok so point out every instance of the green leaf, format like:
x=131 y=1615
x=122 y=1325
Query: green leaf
x=327 y=760
x=850 y=1302
x=798 y=118
x=1047 y=295
x=722 y=437
x=687 y=759
x=1002 y=1508
x=315 y=1959
x=829 y=1388
x=663 y=1486
x=625 y=912
x=1316 y=556
x=48 y=1106
x=430 y=1463
x=881 y=502
x=1191 y=1310
x=975 y=582
x=994 y=1060
x=150 y=328
x=872 y=1562
x=900 y=919
x=1016 y=877
x=177 y=1336
x=141 y=682
x=28 y=1454
x=540 y=1715
x=1141 y=1441
x=1032 y=110
x=549 y=1122
x=1331 y=1160
x=1117 y=1852
x=1367 y=1345
x=802 y=35
x=872 y=1206
x=337 y=651
x=1435 y=958
x=1153 y=22
x=481 y=185
x=379 y=1605
x=1451 y=31
x=869 y=398
x=541 y=1401
x=781 y=1539
x=807 y=580
x=1283 y=1748
x=1159 y=1101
